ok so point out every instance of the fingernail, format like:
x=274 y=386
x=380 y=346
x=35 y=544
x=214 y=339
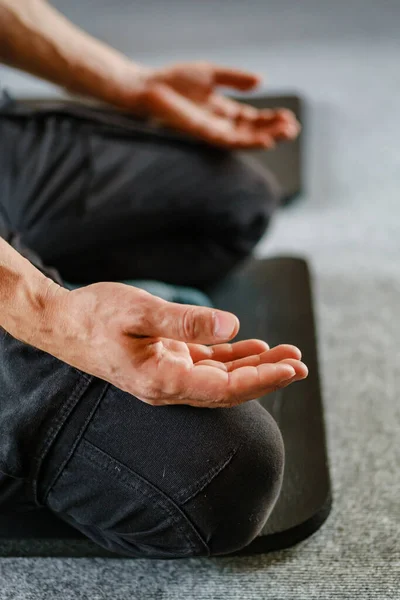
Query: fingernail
x=225 y=325
x=288 y=374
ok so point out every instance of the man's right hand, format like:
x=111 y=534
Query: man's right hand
x=160 y=352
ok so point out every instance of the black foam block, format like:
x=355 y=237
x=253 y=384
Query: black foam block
x=285 y=160
x=273 y=301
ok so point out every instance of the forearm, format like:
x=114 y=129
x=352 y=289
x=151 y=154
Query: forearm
x=25 y=298
x=36 y=38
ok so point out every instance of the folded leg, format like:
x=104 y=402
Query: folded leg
x=144 y=481
x=98 y=205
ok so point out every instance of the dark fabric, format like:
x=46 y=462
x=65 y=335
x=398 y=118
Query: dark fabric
x=137 y=206
x=175 y=482
x=144 y=481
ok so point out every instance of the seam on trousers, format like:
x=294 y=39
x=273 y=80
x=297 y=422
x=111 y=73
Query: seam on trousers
x=76 y=442
x=76 y=394
x=201 y=483
x=158 y=496
x=82 y=374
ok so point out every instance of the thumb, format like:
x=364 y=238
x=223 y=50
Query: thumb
x=188 y=323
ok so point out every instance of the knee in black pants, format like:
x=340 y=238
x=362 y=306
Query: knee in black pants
x=223 y=470
x=231 y=511
x=236 y=203
x=228 y=209
x=247 y=198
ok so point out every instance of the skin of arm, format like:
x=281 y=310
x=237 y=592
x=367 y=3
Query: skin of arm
x=36 y=38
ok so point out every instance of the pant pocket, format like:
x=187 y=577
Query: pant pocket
x=120 y=510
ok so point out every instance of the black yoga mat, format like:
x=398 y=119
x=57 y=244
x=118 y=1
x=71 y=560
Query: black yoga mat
x=273 y=301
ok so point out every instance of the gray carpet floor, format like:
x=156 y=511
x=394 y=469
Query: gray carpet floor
x=344 y=58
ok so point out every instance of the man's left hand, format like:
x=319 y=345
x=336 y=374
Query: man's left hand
x=185 y=97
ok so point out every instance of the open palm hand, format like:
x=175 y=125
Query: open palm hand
x=221 y=375
x=185 y=97
x=166 y=353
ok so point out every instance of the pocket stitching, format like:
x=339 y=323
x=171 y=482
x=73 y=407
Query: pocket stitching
x=201 y=483
x=91 y=452
x=81 y=431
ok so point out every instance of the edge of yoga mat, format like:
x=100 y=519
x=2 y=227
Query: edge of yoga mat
x=271 y=286
x=279 y=290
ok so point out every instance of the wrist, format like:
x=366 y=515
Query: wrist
x=27 y=304
x=48 y=332
x=123 y=85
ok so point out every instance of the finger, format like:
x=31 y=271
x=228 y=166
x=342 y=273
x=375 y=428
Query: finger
x=184 y=322
x=283 y=130
x=300 y=368
x=301 y=374
x=276 y=114
x=206 y=385
x=213 y=363
x=284 y=114
x=279 y=124
x=262 y=136
x=241 y=111
x=231 y=109
x=276 y=131
x=282 y=352
x=227 y=352
x=235 y=78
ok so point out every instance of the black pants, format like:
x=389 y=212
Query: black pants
x=98 y=204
